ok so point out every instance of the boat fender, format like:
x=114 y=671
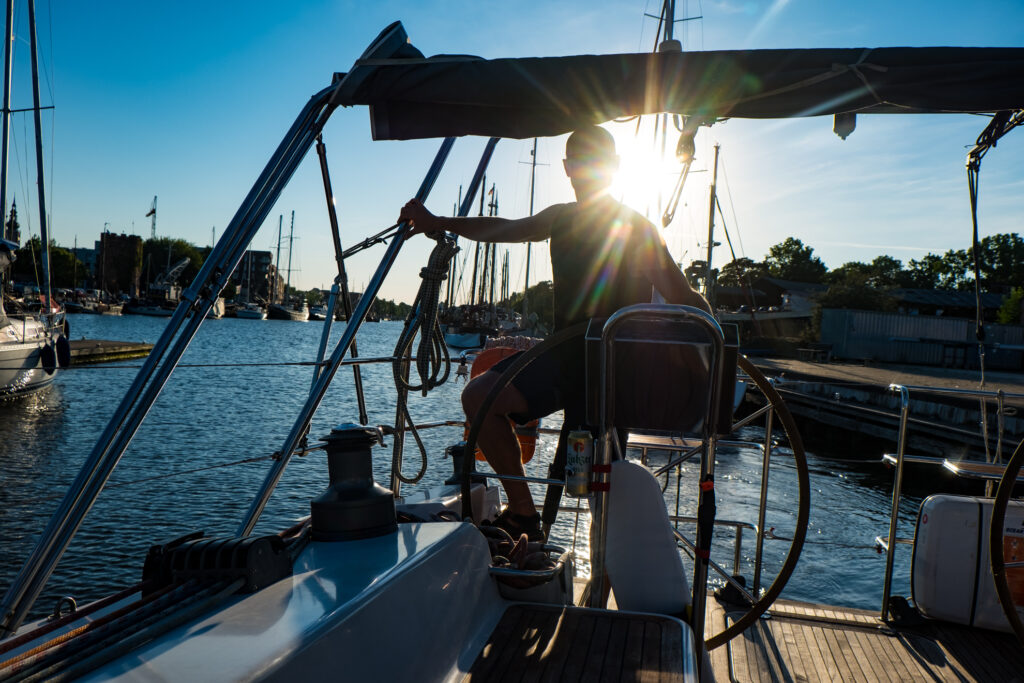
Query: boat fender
x=63 y=351
x=67 y=328
x=526 y=434
x=48 y=357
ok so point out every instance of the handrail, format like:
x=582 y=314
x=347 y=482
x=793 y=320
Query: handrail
x=603 y=452
x=896 y=492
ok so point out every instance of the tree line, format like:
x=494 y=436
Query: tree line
x=857 y=284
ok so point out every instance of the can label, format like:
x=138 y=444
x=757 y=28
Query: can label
x=579 y=454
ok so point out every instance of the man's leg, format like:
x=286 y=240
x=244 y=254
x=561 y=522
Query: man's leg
x=497 y=437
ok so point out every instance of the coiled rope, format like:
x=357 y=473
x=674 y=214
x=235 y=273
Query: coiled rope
x=433 y=363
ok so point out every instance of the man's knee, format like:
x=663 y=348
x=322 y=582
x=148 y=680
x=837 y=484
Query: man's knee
x=508 y=400
x=475 y=393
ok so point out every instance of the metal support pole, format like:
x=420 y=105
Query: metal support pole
x=148 y=383
x=896 y=492
x=340 y=284
x=358 y=315
x=763 y=504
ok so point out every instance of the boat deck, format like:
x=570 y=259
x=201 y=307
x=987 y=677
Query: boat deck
x=807 y=642
x=547 y=643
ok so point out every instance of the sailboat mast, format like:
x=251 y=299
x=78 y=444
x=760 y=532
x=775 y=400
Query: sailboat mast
x=44 y=233
x=6 y=114
x=277 y=260
x=709 y=289
x=526 y=286
x=476 y=259
x=291 y=236
x=493 y=207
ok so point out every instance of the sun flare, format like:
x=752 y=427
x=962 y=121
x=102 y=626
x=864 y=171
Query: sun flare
x=647 y=172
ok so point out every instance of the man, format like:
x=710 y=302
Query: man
x=604 y=256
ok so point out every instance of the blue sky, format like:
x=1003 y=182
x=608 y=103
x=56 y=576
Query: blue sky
x=187 y=100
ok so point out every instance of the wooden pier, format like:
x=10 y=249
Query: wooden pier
x=806 y=642
x=103 y=351
x=846 y=408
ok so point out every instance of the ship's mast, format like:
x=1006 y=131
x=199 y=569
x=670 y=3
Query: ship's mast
x=277 y=260
x=5 y=115
x=476 y=258
x=44 y=232
x=291 y=236
x=526 y=286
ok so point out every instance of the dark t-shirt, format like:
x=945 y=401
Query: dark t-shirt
x=601 y=257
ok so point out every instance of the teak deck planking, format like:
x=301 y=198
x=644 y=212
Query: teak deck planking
x=806 y=642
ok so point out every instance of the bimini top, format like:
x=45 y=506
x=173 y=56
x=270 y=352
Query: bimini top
x=415 y=97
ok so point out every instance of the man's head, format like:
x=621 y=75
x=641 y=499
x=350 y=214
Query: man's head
x=590 y=161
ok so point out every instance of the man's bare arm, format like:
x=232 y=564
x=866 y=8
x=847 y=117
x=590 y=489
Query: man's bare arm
x=482 y=228
x=668 y=279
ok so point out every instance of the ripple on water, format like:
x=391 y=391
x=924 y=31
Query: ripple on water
x=208 y=418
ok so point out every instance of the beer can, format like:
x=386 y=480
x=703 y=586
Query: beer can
x=579 y=454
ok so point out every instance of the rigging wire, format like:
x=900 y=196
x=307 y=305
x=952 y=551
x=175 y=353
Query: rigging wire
x=1001 y=123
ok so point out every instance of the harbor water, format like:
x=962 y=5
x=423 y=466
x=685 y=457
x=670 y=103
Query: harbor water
x=205 y=448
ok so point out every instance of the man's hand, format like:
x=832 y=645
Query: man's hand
x=421 y=220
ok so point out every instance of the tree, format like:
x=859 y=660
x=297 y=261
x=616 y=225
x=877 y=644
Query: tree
x=63 y=265
x=885 y=272
x=155 y=261
x=924 y=274
x=791 y=260
x=1011 y=313
x=1001 y=262
x=542 y=302
x=741 y=272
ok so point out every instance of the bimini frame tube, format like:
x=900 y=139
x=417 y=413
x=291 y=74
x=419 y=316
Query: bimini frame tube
x=323 y=380
x=198 y=299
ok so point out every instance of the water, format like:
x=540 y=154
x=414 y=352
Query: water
x=204 y=449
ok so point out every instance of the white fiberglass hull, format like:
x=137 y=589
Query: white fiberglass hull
x=21 y=370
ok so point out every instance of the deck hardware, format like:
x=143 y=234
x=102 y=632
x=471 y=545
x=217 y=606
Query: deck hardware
x=58 y=608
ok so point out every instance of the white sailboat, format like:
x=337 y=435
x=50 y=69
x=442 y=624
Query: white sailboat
x=32 y=348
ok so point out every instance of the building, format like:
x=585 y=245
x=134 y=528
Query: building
x=86 y=276
x=119 y=263
x=254 y=276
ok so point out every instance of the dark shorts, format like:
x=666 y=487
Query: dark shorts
x=554 y=381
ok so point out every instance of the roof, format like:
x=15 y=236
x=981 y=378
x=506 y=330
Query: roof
x=945 y=298
x=415 y=97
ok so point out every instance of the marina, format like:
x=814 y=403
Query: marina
x=268 y=501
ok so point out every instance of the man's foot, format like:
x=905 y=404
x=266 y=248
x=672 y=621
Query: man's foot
x=517 y=525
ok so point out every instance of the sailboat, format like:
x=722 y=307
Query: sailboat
x=287 y=310
x=32 y=348
x=249 y=308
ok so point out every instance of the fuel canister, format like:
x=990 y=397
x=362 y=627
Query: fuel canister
x=579 y=454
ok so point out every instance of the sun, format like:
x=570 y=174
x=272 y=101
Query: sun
x=646 y=174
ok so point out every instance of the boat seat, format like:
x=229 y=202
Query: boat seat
x=544 y=642
x=643 y=561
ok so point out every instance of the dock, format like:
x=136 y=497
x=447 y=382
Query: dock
x=103 y=351
x=847 y=408
x=807 y=642
x=878 y=374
